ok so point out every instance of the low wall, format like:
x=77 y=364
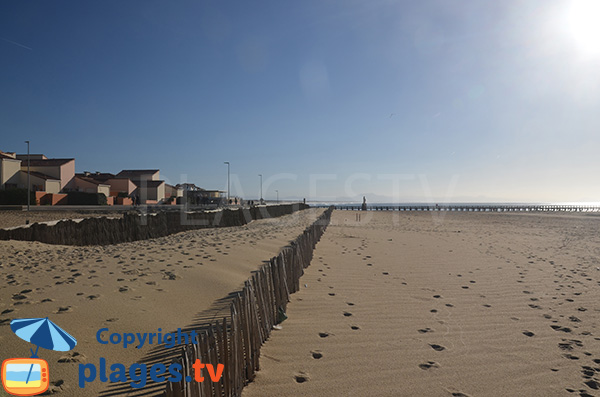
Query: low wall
x=134 y=226
x=235 y=340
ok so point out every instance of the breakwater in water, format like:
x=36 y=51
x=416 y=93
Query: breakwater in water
x=134 y=226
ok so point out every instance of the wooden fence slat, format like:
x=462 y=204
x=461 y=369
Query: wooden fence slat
x=225 y=359
x=213 y=359
x=240 y=352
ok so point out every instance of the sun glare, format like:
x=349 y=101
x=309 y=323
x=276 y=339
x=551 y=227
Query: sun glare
x=584 y=24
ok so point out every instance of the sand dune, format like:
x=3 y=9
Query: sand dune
x=420 y=304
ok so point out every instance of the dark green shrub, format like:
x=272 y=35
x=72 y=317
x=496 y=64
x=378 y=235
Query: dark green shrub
x=83 y=198
x=16 y=196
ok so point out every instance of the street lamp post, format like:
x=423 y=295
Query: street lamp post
x=227 y=162
x=28 y=184
x=261 y=199
x=277 y=191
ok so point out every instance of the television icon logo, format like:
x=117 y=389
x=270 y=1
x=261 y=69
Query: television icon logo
x=25 y=376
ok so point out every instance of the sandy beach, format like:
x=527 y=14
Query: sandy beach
x=443 y=304
x=143 y=286
x=10 y=219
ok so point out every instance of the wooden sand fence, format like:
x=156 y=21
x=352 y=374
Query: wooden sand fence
x=235 y=341
x=135 y=226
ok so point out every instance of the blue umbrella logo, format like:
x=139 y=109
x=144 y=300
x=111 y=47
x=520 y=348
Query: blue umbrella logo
x=42 y=333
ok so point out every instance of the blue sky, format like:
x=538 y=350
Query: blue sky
x=399 y=100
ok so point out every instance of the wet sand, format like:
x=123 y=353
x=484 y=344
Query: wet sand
x=165 y=283
x=443 y=304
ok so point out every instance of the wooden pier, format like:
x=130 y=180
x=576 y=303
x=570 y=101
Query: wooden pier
x=476 y=208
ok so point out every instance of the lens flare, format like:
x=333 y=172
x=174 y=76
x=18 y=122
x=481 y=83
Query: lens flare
x=584 y=24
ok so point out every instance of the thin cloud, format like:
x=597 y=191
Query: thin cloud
x=17 y=44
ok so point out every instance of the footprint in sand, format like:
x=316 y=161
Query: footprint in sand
x=559 y=328
x=528 y=333
x=568 y=344
x=425 y=330
x=437 y=348
x=301 y=377
x=73 y=357
x=571 y=357
x=429 y=365
x=347 y=314
x=592 y=384
x=316 y=354
x=323 y=334
x=588 y=372
x=354 y=327
x=54 y=387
